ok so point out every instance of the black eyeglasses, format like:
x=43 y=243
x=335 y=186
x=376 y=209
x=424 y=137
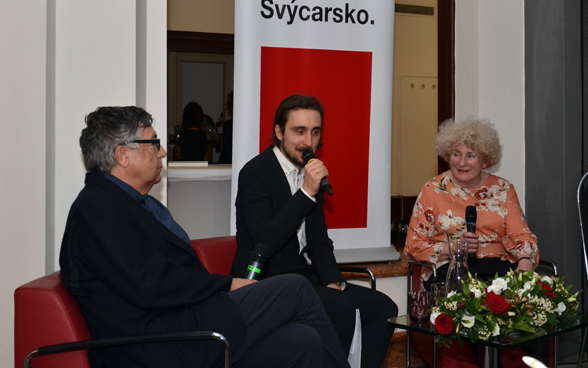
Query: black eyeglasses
x=155 y=142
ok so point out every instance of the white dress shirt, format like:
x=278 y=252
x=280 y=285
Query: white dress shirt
x=295 y=180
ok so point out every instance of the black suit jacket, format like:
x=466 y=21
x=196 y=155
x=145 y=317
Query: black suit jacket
x=268 y=213
x=133 y=276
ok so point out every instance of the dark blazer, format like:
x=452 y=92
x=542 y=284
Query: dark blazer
x=268 y=213
x=133 y=276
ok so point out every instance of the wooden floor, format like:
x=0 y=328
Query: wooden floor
x=396 y=355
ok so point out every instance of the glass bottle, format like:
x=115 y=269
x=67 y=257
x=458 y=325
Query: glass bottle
x=458 y=267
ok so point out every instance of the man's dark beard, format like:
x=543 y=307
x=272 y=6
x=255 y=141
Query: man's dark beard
x=297 y=161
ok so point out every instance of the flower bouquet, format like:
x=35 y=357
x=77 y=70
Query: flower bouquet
x=510 y=305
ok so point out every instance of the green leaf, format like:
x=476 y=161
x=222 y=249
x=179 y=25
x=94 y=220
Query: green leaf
x=524 y=326
x=472 y=306
x=556 y=300
x=541 y=292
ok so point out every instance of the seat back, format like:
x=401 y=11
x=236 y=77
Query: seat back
x=45 y=313
x=216 y=254
x=583 y=216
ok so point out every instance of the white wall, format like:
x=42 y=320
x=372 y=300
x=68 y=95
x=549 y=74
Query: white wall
x=151 y=84
x=489 y=75
x=94 y=66
x=466 y=58
x=63 y=59
x=22 y=146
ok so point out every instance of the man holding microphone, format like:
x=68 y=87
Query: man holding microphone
x=280 y=204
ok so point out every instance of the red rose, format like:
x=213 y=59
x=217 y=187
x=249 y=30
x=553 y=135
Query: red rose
x=496 y=303
x=444 y=324
x=548 y=290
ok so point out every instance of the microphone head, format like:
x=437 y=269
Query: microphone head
x=260 y=252
x=471 y=215
x=307 y=156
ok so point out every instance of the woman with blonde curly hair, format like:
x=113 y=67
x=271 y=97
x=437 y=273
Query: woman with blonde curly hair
x=502 y=240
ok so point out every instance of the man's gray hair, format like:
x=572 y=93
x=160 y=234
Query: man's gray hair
x=108 y=128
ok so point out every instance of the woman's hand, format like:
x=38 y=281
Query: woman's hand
x=472 y=239
x=524 y=265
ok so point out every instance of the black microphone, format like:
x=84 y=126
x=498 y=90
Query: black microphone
x=471 y=217
x=256 y=262
x=308 y=156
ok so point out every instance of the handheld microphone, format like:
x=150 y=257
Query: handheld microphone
x=256 y=262
x=308 y=156
x=471 y=217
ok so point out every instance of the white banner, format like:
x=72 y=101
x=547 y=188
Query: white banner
x=341 y=53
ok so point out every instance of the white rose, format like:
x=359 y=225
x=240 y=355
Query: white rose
x=561 y=307
x=451 y=293
x=468 y=321
x=477 y=293
x=526 y=287
x=500 y=284
x=434 y=316
x=496 y=331
x=495 y=288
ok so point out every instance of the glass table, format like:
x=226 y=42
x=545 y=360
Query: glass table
x=493 y=345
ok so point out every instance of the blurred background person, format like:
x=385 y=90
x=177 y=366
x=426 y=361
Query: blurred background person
x=208 y=128
x=226 y=156
x=192 y=139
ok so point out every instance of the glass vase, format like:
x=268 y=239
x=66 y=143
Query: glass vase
x=458 y=266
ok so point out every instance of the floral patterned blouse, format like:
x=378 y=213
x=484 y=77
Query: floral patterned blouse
x=439 y=213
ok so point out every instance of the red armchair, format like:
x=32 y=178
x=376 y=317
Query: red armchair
x=45 y=313
x=216 y=254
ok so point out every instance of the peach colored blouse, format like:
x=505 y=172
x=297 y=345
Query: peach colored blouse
x=439 y=213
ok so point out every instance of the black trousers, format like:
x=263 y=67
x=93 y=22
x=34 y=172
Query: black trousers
x=374 y=308
x=286 y=326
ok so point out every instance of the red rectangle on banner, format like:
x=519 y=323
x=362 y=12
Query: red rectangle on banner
x=341 y=80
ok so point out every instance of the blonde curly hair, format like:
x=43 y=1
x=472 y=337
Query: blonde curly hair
x=478 y=134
